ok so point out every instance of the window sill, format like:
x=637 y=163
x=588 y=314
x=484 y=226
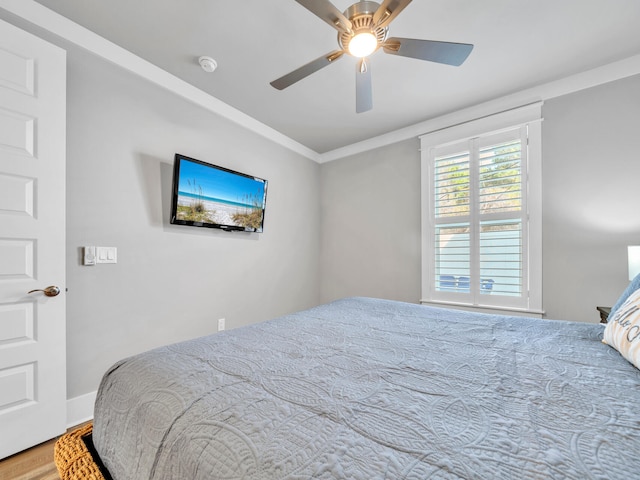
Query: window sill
x=519 y=312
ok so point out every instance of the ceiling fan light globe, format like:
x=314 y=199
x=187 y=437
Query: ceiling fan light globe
x=363 y=44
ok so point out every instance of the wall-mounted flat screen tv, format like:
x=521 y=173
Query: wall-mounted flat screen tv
x=206 y=195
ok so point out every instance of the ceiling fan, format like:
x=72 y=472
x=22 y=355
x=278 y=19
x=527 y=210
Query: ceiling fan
x=363 y=29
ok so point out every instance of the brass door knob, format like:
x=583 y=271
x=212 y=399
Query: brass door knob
x=50 y=291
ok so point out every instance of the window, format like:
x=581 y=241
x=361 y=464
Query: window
x=481 y=213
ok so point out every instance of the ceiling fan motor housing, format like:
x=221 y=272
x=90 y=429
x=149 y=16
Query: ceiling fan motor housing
x=361 y=16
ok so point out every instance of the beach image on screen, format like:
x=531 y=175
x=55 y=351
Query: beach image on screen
x=210 y=195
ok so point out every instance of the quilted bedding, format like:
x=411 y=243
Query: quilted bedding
x=374 y=389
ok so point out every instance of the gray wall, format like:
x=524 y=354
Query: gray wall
x=591 y=192
x=371 y=224
x=170 y=282
x=591 y=166
x=348 y=227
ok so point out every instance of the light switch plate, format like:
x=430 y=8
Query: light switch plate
x=106 y=255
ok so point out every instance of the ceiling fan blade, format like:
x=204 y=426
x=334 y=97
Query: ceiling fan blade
x=388 y=11
x=306 y=70
x=326 y=11
x=364 y=95
x=430 y=50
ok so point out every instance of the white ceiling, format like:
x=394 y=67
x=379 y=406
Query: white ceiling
x=518 y=44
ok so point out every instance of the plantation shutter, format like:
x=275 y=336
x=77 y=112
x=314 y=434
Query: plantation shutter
x=479 y=220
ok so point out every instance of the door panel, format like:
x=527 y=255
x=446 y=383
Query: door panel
x=17 y=72
x=17 y=133
x=17 y=324
x=32 y=240
x=17 y=197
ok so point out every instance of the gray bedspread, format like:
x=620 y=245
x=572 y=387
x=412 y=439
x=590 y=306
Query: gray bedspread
x=373 y=389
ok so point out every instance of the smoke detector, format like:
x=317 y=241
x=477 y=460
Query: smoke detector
x=208 y=64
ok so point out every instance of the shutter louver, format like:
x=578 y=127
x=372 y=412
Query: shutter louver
x=501 y=258
x=452 y=185
x=500 y=178
x=453 y=257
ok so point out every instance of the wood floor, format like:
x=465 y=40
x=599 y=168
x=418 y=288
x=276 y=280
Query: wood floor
x=33 y=464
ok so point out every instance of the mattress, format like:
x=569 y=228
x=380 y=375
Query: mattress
x=369 y=389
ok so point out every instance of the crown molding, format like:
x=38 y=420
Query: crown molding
x=607 y=73
x=66 y=29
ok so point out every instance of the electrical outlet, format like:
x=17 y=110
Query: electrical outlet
x=220 y=324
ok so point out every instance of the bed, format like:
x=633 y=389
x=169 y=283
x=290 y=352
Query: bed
x=365 y=388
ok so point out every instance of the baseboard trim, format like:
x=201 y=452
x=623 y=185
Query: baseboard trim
x=80 y=409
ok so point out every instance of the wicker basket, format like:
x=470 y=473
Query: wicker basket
x=73 y=459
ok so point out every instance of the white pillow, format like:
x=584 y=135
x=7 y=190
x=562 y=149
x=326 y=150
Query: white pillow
x=623 y=329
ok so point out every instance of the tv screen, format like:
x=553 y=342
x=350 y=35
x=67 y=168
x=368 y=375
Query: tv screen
x=206 y=195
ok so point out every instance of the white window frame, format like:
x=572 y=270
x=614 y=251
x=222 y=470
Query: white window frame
x=528 y=117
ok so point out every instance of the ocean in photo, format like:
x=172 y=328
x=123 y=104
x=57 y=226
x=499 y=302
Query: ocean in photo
x=204 y=198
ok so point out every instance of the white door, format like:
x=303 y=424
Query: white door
x=32 y=240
